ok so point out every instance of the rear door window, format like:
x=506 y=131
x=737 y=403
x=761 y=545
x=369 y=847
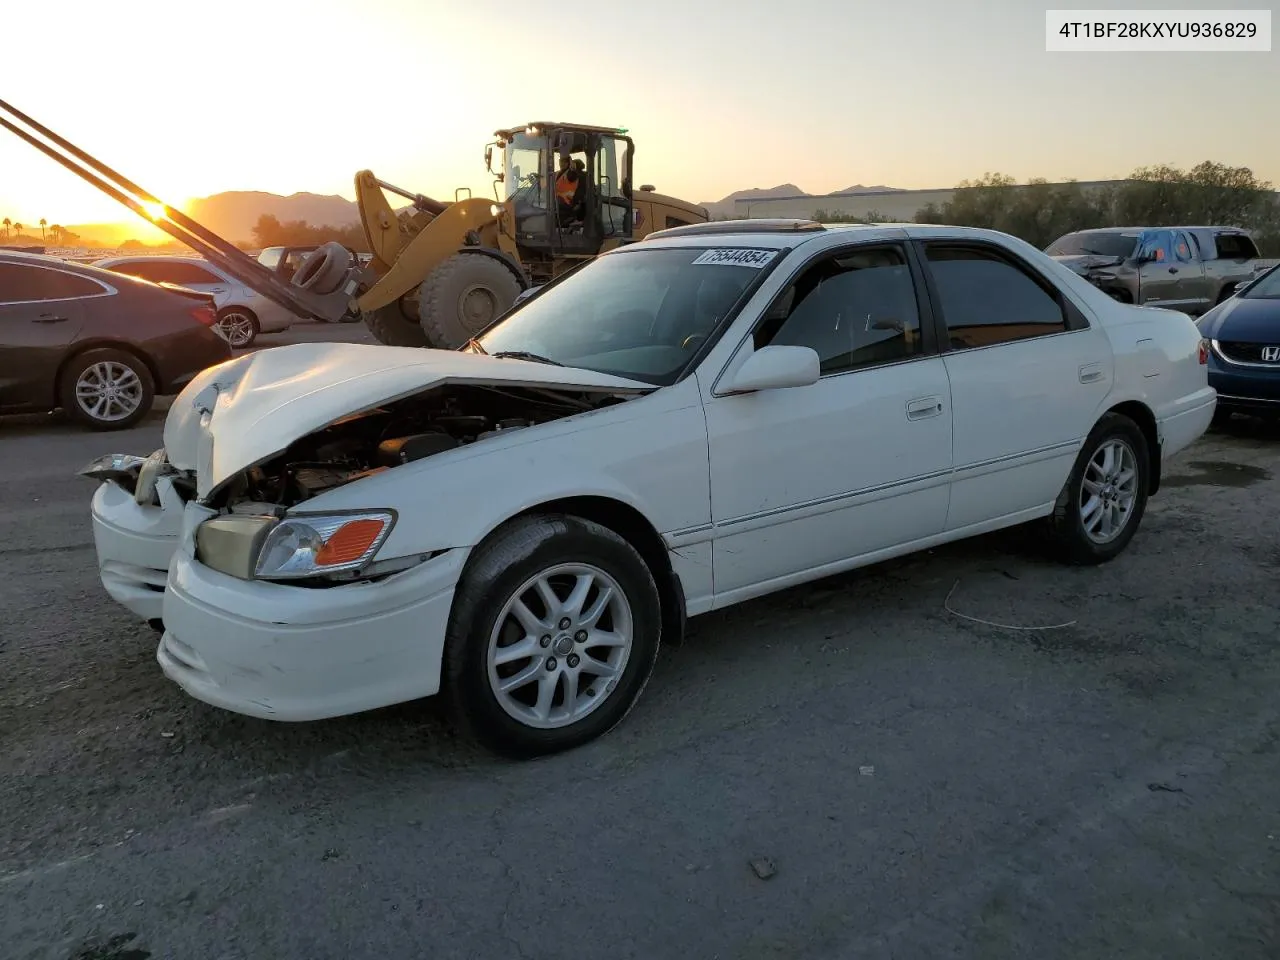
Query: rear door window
x=24 y=283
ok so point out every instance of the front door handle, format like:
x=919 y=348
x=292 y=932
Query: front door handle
x=1091 y=373
x=923 y=408
x=49 y=318
x=218 y=290
x=1173 y=269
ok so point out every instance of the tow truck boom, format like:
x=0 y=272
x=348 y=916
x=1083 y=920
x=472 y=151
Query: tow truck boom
x=323 y=288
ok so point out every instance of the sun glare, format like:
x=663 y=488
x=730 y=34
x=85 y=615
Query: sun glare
x=155 y=210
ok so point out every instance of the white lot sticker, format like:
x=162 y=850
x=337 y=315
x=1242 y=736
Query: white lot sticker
x=738 y=258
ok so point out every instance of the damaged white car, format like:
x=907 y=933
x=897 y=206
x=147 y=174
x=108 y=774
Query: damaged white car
x=712 y=414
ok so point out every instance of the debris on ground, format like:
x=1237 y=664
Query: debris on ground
x=764 y=867
x=946 y=605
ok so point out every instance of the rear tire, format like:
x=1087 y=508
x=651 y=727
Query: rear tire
x=240 y=326
x=392 y=326
x=1104 y=498
x=464 y=295
x=106 y=389
x=483 y=636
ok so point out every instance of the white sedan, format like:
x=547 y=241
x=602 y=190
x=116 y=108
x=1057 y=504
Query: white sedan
x=715 y=413
x=243 y=313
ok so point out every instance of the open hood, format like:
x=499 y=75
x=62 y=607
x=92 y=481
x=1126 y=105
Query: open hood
x=240 y=413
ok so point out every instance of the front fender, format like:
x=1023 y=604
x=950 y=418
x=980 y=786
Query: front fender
x=649 y=453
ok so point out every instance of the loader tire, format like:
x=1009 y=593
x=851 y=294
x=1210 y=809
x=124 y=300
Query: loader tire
x=392 y=326
x=464 y=295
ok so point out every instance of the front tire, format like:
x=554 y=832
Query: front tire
x=464 y=295
x=1104 y=498
x=106 y=389
x=554 y=633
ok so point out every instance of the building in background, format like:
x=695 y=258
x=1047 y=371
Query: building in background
x=891 y=205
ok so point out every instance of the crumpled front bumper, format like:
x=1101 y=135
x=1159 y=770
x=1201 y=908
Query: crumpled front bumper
x=135 y=543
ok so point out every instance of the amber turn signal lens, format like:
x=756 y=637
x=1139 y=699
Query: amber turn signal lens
x=349 y=542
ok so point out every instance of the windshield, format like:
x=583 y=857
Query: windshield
x=1111 y=243
x=523 y=173
x=1266 y=287
x=637 y=313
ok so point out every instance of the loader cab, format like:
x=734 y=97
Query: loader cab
x=597 y=212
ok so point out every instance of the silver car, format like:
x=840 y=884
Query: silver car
x=242 y=313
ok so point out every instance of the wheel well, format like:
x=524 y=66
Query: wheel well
x=1226 y=291
x=1146 y=421
x=630 y=524
x=105 y=345
x=238 y=309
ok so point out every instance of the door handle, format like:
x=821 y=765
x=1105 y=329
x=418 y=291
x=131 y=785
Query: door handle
x=218 y=290
x=49 y=318
x=1173 y=269
x=923 y=408
x=1091 y=372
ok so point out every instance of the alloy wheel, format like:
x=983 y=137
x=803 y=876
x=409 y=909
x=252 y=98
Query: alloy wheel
x=560 y=645
x=1109 y=491
x=108 y=391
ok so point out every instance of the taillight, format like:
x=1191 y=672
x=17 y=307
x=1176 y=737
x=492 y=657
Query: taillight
x=1204 y=350
x=205 y=315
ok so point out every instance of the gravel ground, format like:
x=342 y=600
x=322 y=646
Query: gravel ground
x=850 y=769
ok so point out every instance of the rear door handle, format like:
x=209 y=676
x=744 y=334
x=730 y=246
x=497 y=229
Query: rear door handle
x=49 y=318
x=923 y=408
x=1091 y=372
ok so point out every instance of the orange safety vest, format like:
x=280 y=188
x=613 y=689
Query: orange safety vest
x=565 y=189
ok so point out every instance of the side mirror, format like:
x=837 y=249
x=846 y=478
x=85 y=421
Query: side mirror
x=1241 y=287
x=488 y=159
x=777 y=367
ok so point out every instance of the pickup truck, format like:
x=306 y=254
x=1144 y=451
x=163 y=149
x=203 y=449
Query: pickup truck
x=1189 y=269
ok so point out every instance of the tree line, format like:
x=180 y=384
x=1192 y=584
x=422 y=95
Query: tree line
x=1209 y=194
x=12 y=230
x=270 y=232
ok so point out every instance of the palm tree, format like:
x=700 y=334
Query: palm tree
x=7 y=224
x=17 y=229
x=43 y=221
x=56 y=230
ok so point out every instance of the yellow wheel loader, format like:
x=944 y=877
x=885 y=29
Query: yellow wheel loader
x=439 y=272
x=446 y=271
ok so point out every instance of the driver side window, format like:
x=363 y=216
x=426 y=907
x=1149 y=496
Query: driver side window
x=856 y=309
x=1157 y=247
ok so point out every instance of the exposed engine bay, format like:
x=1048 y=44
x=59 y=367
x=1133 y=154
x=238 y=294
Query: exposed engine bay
x=398 y=433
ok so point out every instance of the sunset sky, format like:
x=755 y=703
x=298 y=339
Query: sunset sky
x=194 y=98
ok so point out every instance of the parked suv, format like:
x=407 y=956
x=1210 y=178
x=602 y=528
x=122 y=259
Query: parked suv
x=243 y=313
x=1189 y=269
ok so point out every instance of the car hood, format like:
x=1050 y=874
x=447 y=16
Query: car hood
x=236 y=415
x=1084 y=262
x=1243 y=320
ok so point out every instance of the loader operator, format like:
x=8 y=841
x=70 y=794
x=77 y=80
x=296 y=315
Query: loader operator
x=570 y=185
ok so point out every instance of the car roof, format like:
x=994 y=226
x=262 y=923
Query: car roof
x=779 y=235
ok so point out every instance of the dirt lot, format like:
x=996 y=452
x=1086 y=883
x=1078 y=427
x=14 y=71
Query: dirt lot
x=923 y=785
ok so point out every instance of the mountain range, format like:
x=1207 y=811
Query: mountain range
x=234 y=213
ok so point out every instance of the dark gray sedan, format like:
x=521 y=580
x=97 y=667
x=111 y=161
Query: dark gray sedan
x=99 y=345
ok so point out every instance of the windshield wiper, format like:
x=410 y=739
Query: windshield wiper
x=525 y=355
x=474 y=344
